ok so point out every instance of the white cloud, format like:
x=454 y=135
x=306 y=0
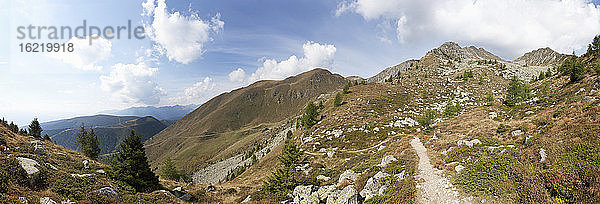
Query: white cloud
x=315 y=55
x=198 y=93
x=510 y=26
x=181 y=38
x=133 y=83
x=237 y=75
x=85 y=55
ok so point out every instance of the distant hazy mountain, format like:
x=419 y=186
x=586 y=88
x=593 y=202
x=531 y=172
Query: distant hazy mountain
x=111 y=130
x=162 y=113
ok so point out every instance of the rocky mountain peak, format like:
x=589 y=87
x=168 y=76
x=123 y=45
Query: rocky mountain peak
x=541 y=56
x=453 y=51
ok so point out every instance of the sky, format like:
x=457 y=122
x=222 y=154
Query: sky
x=192 y=51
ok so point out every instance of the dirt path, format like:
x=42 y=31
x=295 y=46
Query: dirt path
x=434 y=187
x=350 y=151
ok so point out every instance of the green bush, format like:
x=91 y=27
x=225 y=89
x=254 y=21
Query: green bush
x=74 y=188
x=574 y=176
x=489 y=174
x=400 y=191
x=452 y=109
x=427 y=118
x=460 y=153
x=489 y=99
x=502 y=128
x=11 y=173
x=597 y=69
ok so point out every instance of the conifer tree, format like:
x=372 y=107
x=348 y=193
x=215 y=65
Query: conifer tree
x=88 y=143
x=169 y=171
x=35 y=130
x=337 y=101
x=130 y=165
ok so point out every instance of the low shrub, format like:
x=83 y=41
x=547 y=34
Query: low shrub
x=400 y=191
x=489 y=175
x=74 y=188
x=502 y=128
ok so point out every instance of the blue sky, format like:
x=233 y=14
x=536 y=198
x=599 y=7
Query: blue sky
x=196 y=50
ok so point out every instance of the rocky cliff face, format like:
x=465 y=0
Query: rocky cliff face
x=452 y=51
x=541 y=57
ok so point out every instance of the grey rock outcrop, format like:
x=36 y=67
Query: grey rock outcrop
x=29 y=166
x=348 y=195
x=304 y=195
x=47 y=200
x=108 y=192
x=347 y=177
x=374 y=186
x=541 y=57
x=469 y=143
x=387 y=160
x=38 y=147
x=86 y=164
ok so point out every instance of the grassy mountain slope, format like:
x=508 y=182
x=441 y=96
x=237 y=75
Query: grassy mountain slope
x=229 y=117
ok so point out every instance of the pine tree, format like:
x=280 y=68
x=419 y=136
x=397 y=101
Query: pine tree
x=88 y=143
x=130 y=165
x=347 y=87
x=310 y=115
x=35 y=130
x=517 y=92
x=46 y=137
x=337 y=101
x=169 y=171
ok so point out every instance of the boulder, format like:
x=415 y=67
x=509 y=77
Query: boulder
x=47 y=200
x=330 y=154
x=458 y=168
x=23 y=200
x=323 y=192
x=492 y=115
x=29 y=166
x=67 y=202
x=304 y=195
x=516 y=133
x=86 y=164
x=248 y=199
x=81 y=175
x=374 y=186
x=348 y=176
x=323 y=178
x=108 y=192
x=187 y=197
x=387 y=160
x=469 y=143
x=529 y=112
x=38 y=147
x=543 y=155
x=210 y=188
x=348 y=195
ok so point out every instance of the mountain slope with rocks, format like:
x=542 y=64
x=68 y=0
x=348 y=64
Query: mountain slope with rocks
x=440 y=131
x=39 y=171
x=231 y=123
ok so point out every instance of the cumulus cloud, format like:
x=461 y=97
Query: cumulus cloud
x=511 y=26
x=315 y=55
x=133 y=83
x=180 y=37
x=237 y=75
x=85 y=55
x=198 y=93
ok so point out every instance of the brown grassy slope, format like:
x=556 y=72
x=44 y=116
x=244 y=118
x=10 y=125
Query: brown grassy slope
x=218 y=121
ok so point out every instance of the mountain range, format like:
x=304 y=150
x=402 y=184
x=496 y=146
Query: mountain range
x=111 y=130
